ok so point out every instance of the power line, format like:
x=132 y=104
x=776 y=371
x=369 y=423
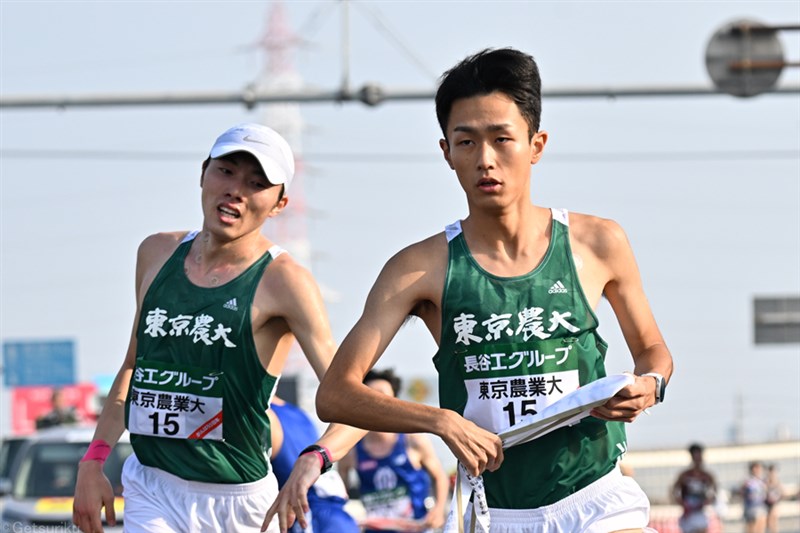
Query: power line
x=383 y=27
x=370 y=94
x=412 y=158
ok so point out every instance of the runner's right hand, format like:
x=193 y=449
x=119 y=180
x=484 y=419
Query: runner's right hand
x=476 y=448
x=92 y=492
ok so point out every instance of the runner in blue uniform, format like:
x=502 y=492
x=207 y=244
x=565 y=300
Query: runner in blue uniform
x=399 y=475
x=292 y=431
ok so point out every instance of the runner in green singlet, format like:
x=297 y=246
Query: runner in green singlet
x=509 y=293
x=217 y=312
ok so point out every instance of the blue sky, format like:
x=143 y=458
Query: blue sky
x=707 y=188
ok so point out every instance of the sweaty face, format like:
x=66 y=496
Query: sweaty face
x=237 y=197
x=490 y=150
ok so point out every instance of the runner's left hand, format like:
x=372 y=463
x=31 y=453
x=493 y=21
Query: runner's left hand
x=629 y=402
x=292 y=501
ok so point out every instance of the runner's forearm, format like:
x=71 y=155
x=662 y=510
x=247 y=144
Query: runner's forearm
x=339 y=439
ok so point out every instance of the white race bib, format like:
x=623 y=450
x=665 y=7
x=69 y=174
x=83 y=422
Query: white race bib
x=175 y=402
x=498 y=403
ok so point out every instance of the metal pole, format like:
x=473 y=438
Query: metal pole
x=370 y=94
x=752 y=28
x=345 y=51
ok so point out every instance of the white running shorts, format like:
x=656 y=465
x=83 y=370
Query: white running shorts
x=159 y=502
x=613 y=502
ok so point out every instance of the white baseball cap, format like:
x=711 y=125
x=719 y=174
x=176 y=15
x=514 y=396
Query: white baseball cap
x=265 y=144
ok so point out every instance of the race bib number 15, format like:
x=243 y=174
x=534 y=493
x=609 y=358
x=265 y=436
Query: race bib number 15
x=175 y=402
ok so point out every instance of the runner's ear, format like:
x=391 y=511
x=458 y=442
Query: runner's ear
x=445 y=146
x=203 y=168
x=278 y=207
x=537 y=146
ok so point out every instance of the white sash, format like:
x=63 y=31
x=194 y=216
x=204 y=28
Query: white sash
x=567 y=411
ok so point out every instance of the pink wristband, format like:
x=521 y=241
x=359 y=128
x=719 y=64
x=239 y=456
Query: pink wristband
x=327 y=454
x=322 y=453
x=319 y=456
x=98 y=451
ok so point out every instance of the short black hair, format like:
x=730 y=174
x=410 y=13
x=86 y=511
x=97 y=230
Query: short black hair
x=506 y=70
x=386 y=375
x=695 y=447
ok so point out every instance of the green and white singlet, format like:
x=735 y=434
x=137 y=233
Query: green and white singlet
x=197 y=401
x=510 y=347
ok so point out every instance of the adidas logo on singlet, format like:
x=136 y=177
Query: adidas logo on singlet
x=557 y=288
x=231 y=304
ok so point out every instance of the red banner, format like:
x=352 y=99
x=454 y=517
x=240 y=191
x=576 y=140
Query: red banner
x=30 y=403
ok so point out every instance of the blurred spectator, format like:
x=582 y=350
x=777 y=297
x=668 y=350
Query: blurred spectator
x=396 y=472
x=61 y=413
x=774 y=495
x=291 y=431
x=754 y=494
x=694 y=489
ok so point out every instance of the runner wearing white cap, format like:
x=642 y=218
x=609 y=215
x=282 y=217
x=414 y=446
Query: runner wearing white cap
x=217 y=311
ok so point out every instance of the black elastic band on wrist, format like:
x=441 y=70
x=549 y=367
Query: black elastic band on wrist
x=323 y=453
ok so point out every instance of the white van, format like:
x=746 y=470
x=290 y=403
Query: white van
x=43 y=479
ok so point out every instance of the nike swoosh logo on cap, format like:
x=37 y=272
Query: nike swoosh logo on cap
x=250 y=139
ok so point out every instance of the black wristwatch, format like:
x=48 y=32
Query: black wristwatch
x=661 y=385
x=323 y=454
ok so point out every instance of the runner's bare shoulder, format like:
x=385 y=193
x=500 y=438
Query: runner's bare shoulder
x=287 y=278
x=601 y=236
x=425 y=255
x=422 y=264
x=153 y=253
